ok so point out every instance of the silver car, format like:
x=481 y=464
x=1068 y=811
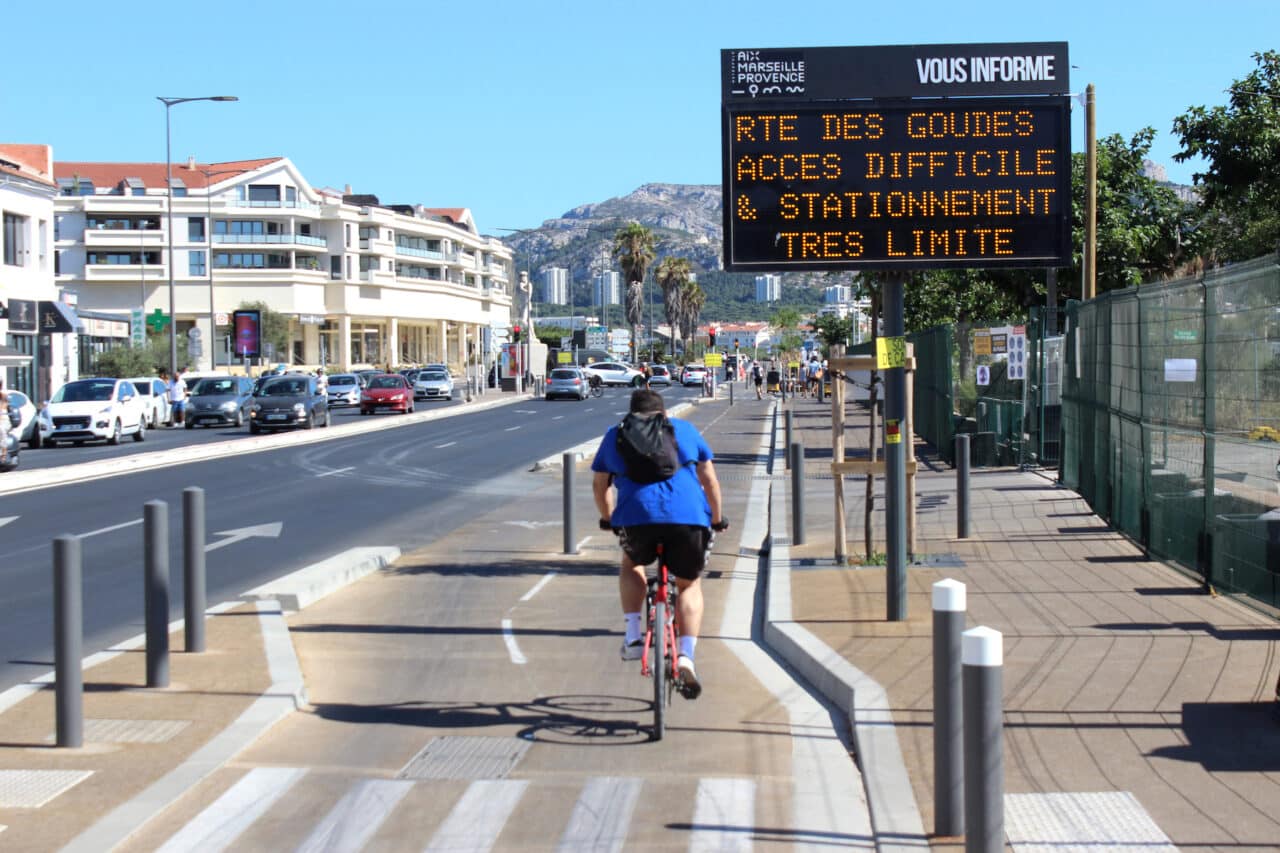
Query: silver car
x=344 y=390
x=433 y=384
x=567 y=382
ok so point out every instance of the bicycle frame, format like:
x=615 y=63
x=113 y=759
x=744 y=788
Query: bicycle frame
x=661 y=591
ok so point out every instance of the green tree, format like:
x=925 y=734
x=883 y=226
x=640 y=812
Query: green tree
x=833 y=329
x=275 y=328
x=672 y=274
x=148 y=360
x=1240 y=143
x=635 y=249
x=692 y=300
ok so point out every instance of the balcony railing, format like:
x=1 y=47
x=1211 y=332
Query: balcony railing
x=294 y=205
x=272 y=239
x=432 y=254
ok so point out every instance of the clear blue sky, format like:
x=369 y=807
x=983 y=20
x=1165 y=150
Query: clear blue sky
x=523 y=110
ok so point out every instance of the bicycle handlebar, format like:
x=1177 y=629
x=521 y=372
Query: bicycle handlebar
x=719 y=527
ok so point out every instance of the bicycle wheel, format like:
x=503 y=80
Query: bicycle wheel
x=659 y=670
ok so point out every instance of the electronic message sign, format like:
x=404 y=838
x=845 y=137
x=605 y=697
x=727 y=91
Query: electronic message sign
x=896 y=182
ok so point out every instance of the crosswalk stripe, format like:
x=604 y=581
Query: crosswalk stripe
x=723 y=815
x=357 y=816
x=219 y=825
x=476 y=821
x=601 y=816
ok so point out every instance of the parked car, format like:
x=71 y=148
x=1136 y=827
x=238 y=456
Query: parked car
x=283 y=402
x=153 y=389
x=96 y=409
x=344 y=390
x=217 y=400
x=11 y=439
x=387 y=391
x=33 y=426
x=437 y=366
x=661 y=375
x=693 y=374
x=567 y=382
x=433 y=384
x=614 y=373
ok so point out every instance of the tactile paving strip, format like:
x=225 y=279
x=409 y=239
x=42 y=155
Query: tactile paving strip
x=466 y=757
x=31 y=789
x=130 y=731
x=1083 y=822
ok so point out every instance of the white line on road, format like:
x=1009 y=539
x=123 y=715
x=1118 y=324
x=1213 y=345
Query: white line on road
x=357 y=816
x=556 y=418
x=512 y=429
x=724 y=814
x=584 y=541
x=446 y=444
x=601 y=816
x=218 y=826
x=517 y=657
x=4 y=521
x=110 y=529
x=337 y=471
x=537 y=587
x=478 y=818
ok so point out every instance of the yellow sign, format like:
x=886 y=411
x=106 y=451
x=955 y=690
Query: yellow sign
x=890 y=353
x=714 y=359
x=892 y=431
x=982 y=343
x=564 y=358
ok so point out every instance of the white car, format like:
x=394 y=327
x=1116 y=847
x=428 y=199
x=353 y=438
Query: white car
x=344 y=390
x=153 y=391
x=614 y=373
x=433 y=384
x=97 y=409
x=34 y=426
x=693 y=374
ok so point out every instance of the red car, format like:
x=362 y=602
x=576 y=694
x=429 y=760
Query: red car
x=386 y=391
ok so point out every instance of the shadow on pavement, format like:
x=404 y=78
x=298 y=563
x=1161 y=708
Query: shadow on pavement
x=455 y=630
x=1228 y=736
x=510 y=568
x=1205 y=628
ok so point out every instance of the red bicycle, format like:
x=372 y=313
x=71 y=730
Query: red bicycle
x=660 y=610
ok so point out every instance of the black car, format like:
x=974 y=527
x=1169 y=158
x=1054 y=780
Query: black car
x=292 y=400
x=217 y=400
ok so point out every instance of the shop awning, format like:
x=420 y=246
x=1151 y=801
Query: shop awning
x=57 y=318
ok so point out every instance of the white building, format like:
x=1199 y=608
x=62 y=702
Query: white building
x=361 y=282
x=768 y=288
x=836 y=294
x=37 y=331
x=607 y=289
x=555 y=285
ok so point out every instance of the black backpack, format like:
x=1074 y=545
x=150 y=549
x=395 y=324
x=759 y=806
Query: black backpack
x=648 y=447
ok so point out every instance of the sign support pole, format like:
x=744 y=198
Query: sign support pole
x=895 y=393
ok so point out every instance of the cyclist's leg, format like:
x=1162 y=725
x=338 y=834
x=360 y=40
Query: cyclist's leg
x=639 y=549
x=689 y=607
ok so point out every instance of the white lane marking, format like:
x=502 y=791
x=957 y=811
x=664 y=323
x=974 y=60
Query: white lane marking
x=110 y=529
x=601 y=816
x=623 y=412
x=239 y=534
x=534 y=525
x=512 y=429
x=555 y=418
x=475 y=822
x=537 y=587
x=446 y=444
x=513 y=650
x=357 y=816
x=337 y=471
x=527 y=411
x=3 y=522
x=724 y=815
x=218 y=826
x=592 y=409
x=584 y=541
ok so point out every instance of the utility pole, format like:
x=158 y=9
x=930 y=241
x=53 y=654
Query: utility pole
x=1090 y=288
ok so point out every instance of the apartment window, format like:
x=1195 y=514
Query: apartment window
x=264 y=193
x=195 y=262
x=178 y=188
x=15 y=240
x=251 y=260
x=348 y=232
x=195 y=229
x=335 y=267
x=42 y=234
x=291 y=195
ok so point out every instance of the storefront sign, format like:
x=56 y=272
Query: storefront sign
x=22 y=316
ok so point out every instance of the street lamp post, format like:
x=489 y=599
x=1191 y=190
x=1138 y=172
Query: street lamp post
x=168 y=177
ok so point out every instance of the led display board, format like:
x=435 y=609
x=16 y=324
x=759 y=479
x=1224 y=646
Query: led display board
x=248 y=333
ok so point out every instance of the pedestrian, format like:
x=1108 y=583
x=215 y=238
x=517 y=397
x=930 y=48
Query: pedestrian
x=178 y=399
x=757 y=377
x=4 y=425
x=322 y=381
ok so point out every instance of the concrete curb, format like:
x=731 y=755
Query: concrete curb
x=894 y=813
x=27 y=480
x=308 y=585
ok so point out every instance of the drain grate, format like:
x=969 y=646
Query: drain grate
x=466 y=757
x=31 y=789
x=130 y=731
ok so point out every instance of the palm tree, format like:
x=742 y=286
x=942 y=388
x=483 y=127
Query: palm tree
x=671 y=275
x=633 y=246
x=692 y=298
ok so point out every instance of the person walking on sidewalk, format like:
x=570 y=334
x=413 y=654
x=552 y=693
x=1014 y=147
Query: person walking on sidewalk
x=178 y=399
x=679 y=512
x=757 y=379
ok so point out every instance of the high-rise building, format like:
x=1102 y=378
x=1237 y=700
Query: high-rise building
x=836 y=294
x=555 y=285
x=607 y=289
x=768 y=288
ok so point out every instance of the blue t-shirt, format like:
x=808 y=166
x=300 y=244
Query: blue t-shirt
x=676 y=500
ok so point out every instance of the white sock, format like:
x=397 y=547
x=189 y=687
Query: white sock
x=687 y=645
x=634 y=632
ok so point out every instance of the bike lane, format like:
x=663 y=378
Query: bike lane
x=474 y=690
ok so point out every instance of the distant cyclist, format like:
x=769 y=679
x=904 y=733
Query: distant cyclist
x=677 y=512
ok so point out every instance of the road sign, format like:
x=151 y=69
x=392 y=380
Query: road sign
x=1017 y=356
x=194 y=333
x=714 y=359
x=221 y=318
x=195 y=348
x=563 y=357
x=138 y=327
x=984 y=375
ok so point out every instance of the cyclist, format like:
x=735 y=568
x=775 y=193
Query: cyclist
x=678 y=513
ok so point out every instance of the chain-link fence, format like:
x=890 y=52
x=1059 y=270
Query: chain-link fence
x=1164 y=383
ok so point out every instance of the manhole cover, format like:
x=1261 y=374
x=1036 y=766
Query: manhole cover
x=463 y=757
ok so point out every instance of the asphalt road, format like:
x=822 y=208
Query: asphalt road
x=405 y=487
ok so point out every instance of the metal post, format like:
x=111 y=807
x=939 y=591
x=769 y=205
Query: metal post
x=789 y=434
x=895 y=395
x=983 y=664
x=730 y=393
x=68 y=634
x=193 y=569
x=568 y=461
x=962 y=485
x=156 y=590
x=948 y=717
x=797 y=492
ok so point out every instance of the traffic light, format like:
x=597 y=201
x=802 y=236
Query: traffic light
x=711 y=335
x=515 y=332
x=735 y=343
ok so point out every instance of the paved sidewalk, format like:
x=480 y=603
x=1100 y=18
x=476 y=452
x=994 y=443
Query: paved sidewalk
x=1120 y=674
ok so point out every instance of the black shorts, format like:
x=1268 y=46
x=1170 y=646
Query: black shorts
x=684 y=546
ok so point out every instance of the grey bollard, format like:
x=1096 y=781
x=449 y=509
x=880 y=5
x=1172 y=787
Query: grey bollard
x=68 y=637
x=730 y=393
x=568 y=461
x=787 y=421
x=983 y=663
x=797 y=493
x=948 y=717
x=193 y=569
x=962 y=486
x=155 y=524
